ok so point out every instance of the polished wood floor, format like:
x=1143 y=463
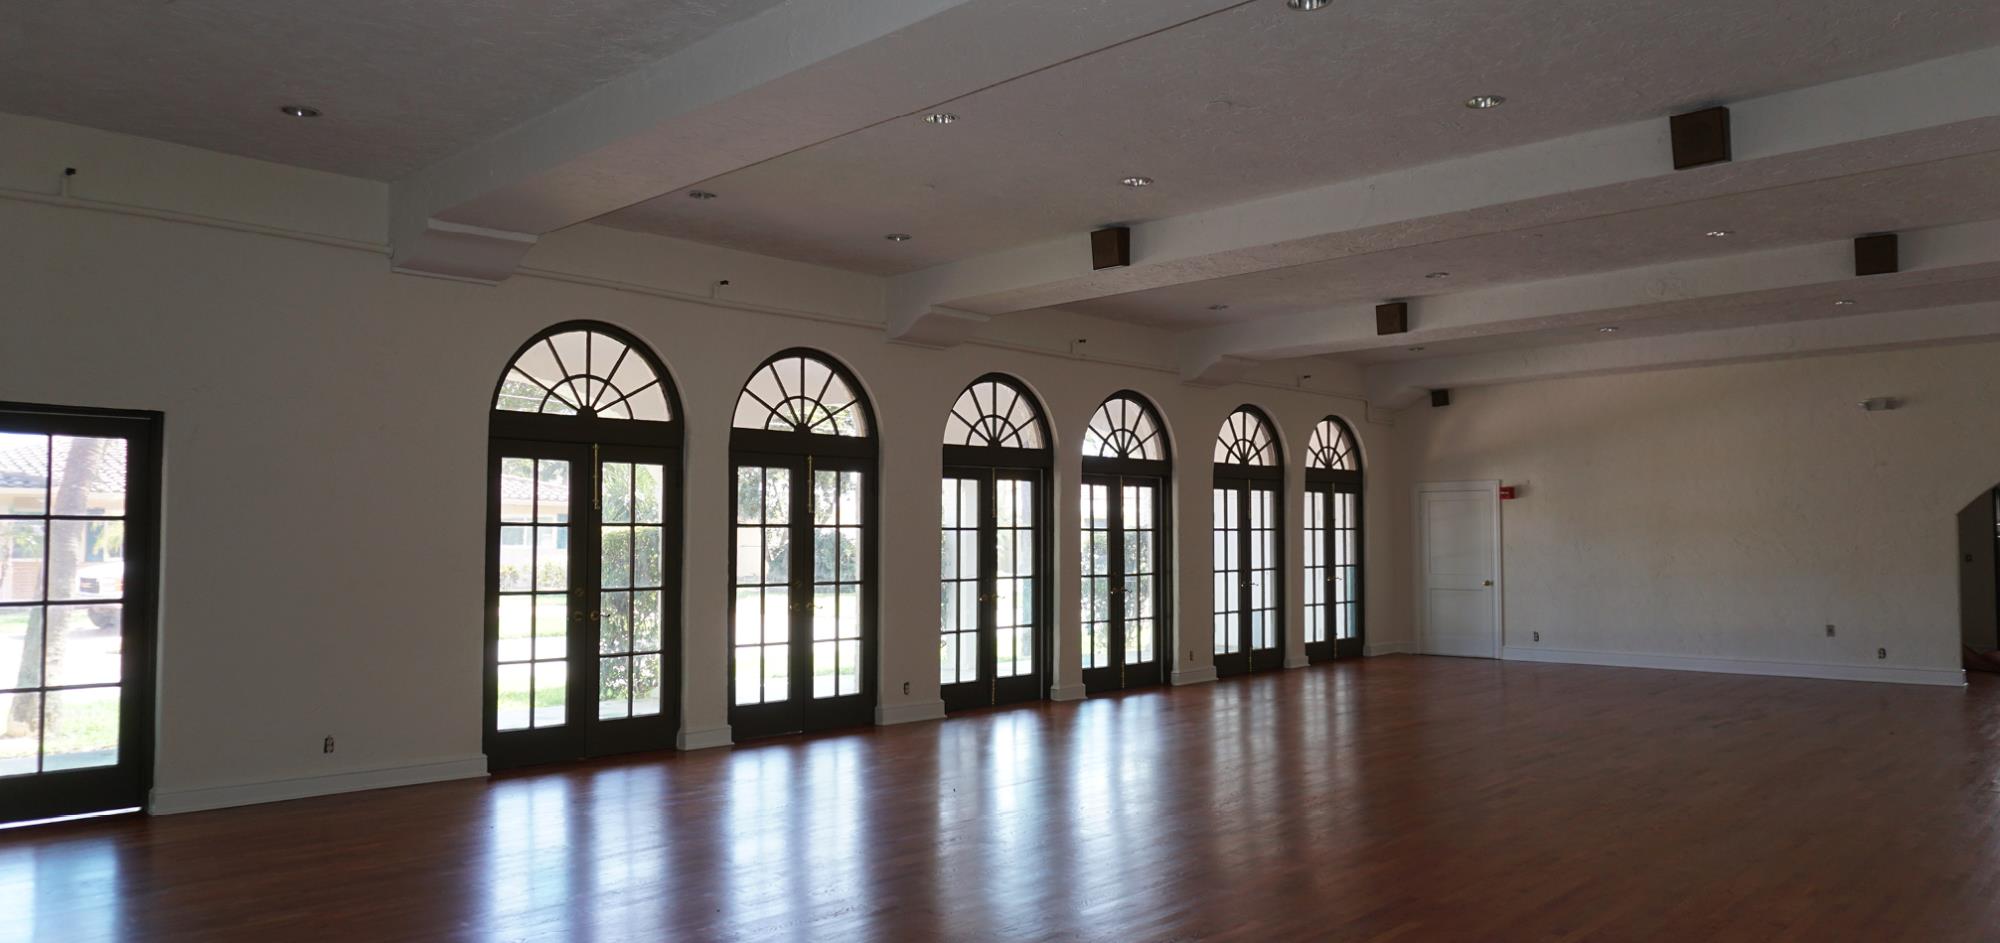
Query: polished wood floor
x=1402 y=798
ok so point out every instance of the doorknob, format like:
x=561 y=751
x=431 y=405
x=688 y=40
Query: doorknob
x=1487 y=583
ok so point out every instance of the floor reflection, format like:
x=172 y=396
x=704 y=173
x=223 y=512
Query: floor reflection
x=67 y=890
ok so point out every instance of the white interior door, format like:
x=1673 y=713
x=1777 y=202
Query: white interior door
x=1458 y=527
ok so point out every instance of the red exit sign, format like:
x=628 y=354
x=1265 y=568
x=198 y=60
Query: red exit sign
x=1506 y=492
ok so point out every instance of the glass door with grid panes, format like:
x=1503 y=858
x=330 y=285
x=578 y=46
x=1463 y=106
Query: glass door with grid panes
x=1122 y=583
x=800 y=651
x=1333 y=543
x=583 y=559
x=989 y=608
x=1247 y=635
x=77 y=515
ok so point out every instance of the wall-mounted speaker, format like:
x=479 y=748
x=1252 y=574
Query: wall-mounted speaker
x=1110 y=248
x=1700 y=137
x=1392 y=318
x=1876 y=255
x=1440 y=398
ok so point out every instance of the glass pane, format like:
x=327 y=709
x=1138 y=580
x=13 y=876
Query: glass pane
x=777 y=495
x=749 y=615
x=552 y=495
x=517 y=628
x=850 y=667
x=777 y=555
x=613 y=687
x=749 y=495
x=850 y=612
x=749 y=668
x=21 y=549
x=551 y=692
x=749 y=555
x=614 y=626
x=649 y=490
x=84 y=645
x=777 y=609
x=80 y=729
x=20 y=647
x=617 y=492
x=551 y=626
x=517 y=558
x=551 y=558
x=512 y=708
x=646 y=685
x=517 y=489
x=646 y=563
x=27 y=458
x=89 y=476
x=777 y=672
x=825 y=616
x=948 y=658
x=646 y=621
x=20 y=732
x=86 y=559
x=616 y=557
x=824 y=668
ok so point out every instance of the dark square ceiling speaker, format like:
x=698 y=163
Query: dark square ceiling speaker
x=1440 y=398
x=1392 y=318
x=1876 y=255
x=1700 y=137
x=1110 y=248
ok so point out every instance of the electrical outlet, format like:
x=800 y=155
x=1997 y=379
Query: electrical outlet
x=1538 y=636
x=1881 y=653
x=1829 y=630
x=326 y=746
x=906 y=687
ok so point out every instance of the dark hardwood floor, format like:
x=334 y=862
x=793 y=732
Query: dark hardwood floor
x=1402 y=798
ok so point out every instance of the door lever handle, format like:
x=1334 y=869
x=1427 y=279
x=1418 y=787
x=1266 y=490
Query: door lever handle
x=1487 y=583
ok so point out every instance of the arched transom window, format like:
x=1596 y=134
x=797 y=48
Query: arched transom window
x=1246 y=439
x=796 y=393
x=994 y=412
x=1332 y=448
x=1124 y=428
x=583 y=373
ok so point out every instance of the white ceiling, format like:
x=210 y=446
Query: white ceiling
x=402 y=83
x=1258 y=100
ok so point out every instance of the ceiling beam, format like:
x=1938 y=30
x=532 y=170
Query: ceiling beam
x=789 y=78
x=1930 y=111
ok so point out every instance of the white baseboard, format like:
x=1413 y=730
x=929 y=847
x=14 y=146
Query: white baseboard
x=1389 y=648
x=1953 y=677
x=172 y=801
x=888 y=714
x=1194 y=675
x=703 y=739
x=1066 y=692
x=1297 y=661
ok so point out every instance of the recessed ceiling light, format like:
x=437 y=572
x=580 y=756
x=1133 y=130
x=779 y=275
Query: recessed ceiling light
x=941 y=117
x=1609 y=329
x=1306 y=6
x=1438 y=275
x=1136 y=182
x=1483 y=102
x=1844 y=302
x=700 y=195
x=1218 y=307
x=1719 y=233
x=898 y=237
x=299 y=111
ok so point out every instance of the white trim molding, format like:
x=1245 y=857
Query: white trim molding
x=890 y=714
x=1067 y=692
x=1201 y=675
x=1297 y=661
x=703 y=739
x=1949 y=677
x=172 y=801
x=1390 y=648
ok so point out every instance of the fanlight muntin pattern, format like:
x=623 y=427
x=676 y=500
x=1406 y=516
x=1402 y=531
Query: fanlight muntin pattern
x=1332 y=447
x=1124 y=428
x=584 y=372
x=994 y=413
x=1246 y=439
x=801 y=393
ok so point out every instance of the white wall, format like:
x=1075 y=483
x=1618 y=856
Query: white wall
x=1732 y=512
x=326 y=441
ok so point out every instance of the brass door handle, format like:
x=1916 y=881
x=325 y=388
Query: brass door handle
x=1487 y=583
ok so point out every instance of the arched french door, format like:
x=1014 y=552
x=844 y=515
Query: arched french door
x=802 y=570
x=1125 y=572
x=992 y=611
x=1334 y=627
x=583 y=550
x=1249 y=515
